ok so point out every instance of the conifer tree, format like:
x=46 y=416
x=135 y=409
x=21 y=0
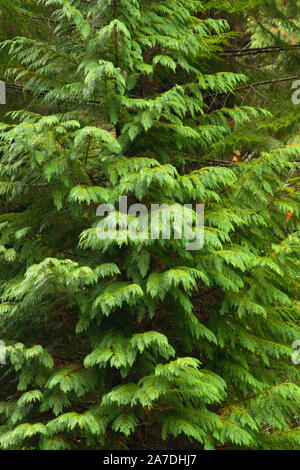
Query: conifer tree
x=32 y=21
x=266 y=48
x=140 y=343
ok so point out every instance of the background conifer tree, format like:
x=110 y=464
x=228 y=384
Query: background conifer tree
x=135 y=344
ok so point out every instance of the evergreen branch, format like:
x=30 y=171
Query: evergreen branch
x=19 y=87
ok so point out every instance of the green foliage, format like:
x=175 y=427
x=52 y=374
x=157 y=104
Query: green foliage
x=111 y=343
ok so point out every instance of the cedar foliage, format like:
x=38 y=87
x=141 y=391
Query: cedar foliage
x=140 y=343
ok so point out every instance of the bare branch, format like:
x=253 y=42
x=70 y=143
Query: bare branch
x=257 y=50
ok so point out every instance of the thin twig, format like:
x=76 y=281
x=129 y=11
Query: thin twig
x=257 y=50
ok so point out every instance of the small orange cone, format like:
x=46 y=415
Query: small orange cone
x=288 y=216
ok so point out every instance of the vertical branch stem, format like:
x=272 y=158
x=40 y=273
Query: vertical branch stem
x=116 y=38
